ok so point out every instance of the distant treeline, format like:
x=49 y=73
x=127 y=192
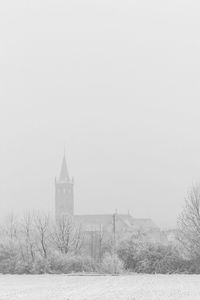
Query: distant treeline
x=34 y=244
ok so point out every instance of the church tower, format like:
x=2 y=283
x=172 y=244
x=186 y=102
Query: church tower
x=64 y=196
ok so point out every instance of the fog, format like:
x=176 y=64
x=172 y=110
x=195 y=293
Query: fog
x=114 y=82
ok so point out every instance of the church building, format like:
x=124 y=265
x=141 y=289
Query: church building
x=64 y=205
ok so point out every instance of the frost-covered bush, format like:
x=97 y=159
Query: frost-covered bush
x=79 y=264
x=41 y=265
x=9 y=256
x=152 y=258
x=112 y=264
x=61 y=263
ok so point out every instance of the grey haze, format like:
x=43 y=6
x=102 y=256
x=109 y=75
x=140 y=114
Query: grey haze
x=117 y=83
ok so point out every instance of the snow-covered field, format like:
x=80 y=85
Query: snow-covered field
x=135 y=287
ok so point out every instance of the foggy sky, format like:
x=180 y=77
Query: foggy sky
x=118 y=83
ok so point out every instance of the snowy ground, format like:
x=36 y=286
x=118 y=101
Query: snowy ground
x=135 y=287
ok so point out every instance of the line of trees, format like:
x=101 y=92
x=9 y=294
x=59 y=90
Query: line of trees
x=35 y=244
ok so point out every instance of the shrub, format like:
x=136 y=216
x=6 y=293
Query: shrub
x=41 y=265
x=130 y=253
x=151 y=258
x=112 y=264
x=61 y=263
x=8 y=258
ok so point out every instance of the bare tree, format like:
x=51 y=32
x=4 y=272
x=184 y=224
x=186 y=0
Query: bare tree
x=28 y=234
x=62 y=234
x=42 y=227
x=67 y=236
x=78 y=239
x=189 y=223
x=101 y=240
x=10 y=227
x=11 y=240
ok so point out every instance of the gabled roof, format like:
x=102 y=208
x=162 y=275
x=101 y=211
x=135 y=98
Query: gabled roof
x=94 y=220
x=144 y=223
x=106 y=221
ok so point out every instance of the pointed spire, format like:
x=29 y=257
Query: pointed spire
x=64 y=175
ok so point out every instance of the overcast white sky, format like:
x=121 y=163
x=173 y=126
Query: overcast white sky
x=118 y=82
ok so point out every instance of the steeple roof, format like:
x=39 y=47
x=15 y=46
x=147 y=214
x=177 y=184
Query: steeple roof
x=64 y=175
